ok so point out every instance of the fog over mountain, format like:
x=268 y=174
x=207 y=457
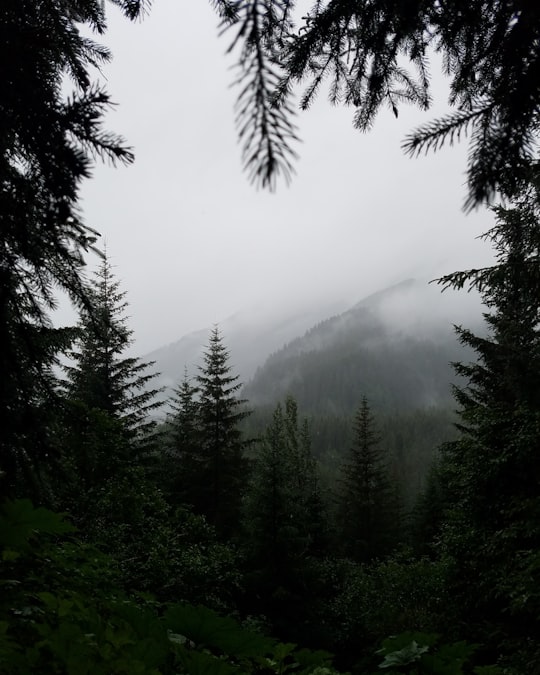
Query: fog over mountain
x=408 y=317
x=250 y=336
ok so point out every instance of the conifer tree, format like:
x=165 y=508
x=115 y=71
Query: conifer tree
x=492 y=531
x=108 y=393
x=368 y=512
x=428 y=514
x=182 y=461
x=284 y=516
x=218 y=488
x=305 y=479
x=49 y=142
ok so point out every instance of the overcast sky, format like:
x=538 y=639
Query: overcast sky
x=193 y=242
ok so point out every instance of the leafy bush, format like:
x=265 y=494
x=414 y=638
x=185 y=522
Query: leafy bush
x=62 y=611
x=422 y=654
x=361 y=604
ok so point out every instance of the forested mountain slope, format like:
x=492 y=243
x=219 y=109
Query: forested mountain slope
x=394 y=346
x=250 y=337
x=388 y=347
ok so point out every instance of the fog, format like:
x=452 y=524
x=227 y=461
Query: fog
x=424 y=308
x=194 y=243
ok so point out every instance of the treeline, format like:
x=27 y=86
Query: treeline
x=409 y=441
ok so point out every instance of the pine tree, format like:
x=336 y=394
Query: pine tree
x=368 y=512
x=284 y=522
x=271 y=511
x=305 y=479
x=428 y=514
x=218 y=488
x=48 y=145
x=284 y=512
x=182 y=460
x=493 y=471
x=107 y=393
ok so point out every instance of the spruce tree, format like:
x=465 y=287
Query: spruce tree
x=284 y=511
x=271 y=513
x=368 y=511
x=222 y=472
x=492 y=532
x=305 y=479
x=284 y=521
x=182 y=459
x=106 y=392
x=49 y=141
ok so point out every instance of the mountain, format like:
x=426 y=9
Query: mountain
x=250 y=336
x=395 y=347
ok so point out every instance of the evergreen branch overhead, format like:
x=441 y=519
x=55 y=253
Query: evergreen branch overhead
x=374 y=54
x=264 y=125
x=448 y=129
x=133 y=9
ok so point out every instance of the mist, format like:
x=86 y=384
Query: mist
x=193 y=243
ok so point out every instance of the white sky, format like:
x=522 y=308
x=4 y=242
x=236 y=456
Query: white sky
x=194 y=242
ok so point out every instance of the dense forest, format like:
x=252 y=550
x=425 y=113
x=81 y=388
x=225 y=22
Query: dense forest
x=325 y=532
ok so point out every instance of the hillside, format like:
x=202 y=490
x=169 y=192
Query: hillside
x=393 y=349
x=250 y=336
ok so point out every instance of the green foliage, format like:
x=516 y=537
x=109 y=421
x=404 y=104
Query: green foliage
x=353 y=354
x=212 y=471
x=422 y=654
x=62 y=611
x=21 y=522
x=283 y=512
x=285 y=523
x=410 y=438
x=180 y=462
x=429 y=513
x=358 y=605
x=171 y=553
x=101 y=378
x=492 y=471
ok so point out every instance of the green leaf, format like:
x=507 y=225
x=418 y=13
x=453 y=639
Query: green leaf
x=204 y=627
x=20 y=521
x=405 y=656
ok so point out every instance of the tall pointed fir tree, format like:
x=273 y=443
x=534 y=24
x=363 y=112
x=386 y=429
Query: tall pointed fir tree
x=109 y=401
x=492 y=532
x=368 y=505
x=305 y=478
x=284 y=520
x=222 y=468
x=48 y=146
x=283 y=508
x=181 y=465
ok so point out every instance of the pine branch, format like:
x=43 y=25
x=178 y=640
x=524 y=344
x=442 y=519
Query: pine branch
x=264 y=125
x=133 y=9
x=82 y=117
x=433 y=135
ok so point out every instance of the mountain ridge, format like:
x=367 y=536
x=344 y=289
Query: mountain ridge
x=405 y=320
